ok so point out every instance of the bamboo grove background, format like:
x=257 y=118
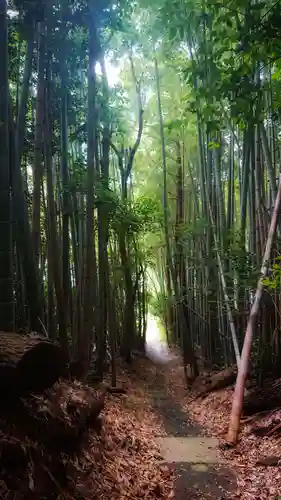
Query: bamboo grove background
x=154 y=193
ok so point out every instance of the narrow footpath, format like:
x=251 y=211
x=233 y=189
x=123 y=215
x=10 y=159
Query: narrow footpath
x=185 y=449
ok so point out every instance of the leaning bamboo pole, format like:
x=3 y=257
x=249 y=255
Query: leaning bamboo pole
x=238 y=396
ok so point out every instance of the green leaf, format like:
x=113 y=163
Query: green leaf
x=213 y=145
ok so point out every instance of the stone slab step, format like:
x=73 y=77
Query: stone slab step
x=196 y=450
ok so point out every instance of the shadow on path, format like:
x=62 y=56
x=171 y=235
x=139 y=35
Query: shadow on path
x=175 y=420
x=194 y=480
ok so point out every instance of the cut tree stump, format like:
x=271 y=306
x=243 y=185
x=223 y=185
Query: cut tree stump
x=29 y=364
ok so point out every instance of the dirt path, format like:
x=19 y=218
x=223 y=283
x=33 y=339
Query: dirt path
x=192 y=455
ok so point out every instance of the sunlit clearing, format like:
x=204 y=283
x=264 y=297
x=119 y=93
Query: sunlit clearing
x=156 y=346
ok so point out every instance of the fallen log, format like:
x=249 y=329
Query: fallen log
x=59 y=419
x=29 y=364
x=40 y=443
x=262 y=399
x=66 y=431
x=217 y=381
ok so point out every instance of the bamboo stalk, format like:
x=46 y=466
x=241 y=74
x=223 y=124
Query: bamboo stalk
x=238 y=396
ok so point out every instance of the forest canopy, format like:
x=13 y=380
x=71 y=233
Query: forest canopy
x=139 y=160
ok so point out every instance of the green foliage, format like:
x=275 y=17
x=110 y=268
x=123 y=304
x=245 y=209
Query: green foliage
x=143 y=216
x=273 y=280
x=194 y=229
x=174 y=125
x=219 y=76
x=107 y=198
x=149 y=212
x=157 y=304
x=242 y=261
x=213 y=145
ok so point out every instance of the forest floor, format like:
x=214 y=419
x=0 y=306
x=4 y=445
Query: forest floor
x=242 y=473
x=187 y=450
x=155 y=442
x=191 y=431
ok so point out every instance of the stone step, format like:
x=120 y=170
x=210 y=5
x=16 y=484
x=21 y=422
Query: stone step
x=196 y=450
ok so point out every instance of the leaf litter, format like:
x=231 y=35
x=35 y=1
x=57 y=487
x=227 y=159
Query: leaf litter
x=254 y=480
x=57 y=446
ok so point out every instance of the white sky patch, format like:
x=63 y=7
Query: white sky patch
x=112 y=71
x=12 y=13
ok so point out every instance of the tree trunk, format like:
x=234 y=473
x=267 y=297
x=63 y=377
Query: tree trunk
x=87 y=324
x=38 y=145
x=55 y=262
x=6 y=243
x=20 y=211
x=64 y=166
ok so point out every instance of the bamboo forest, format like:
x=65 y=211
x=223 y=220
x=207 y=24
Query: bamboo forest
x=140 y=249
